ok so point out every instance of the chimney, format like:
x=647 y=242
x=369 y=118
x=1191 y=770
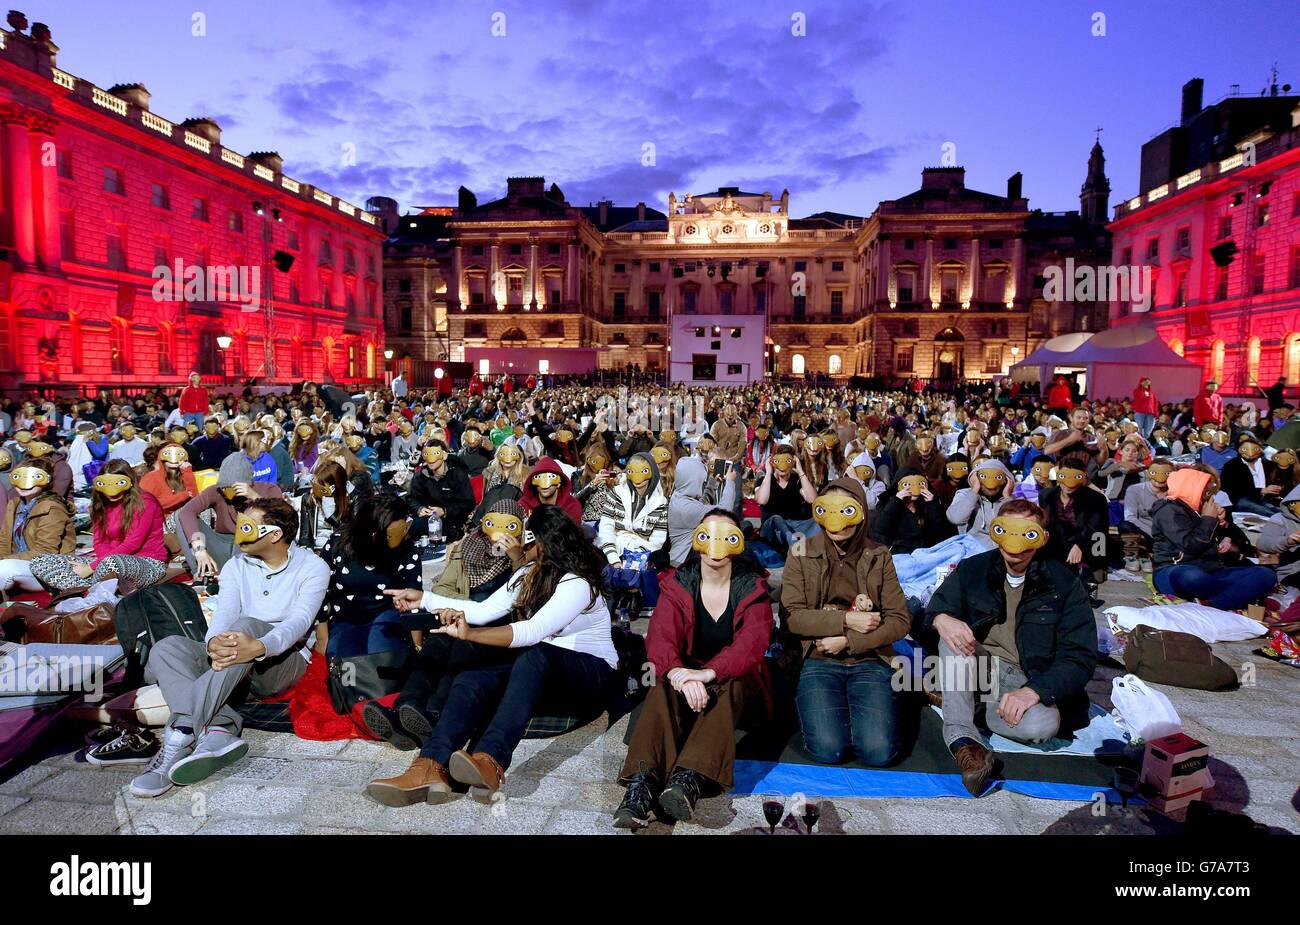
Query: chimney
x=135 y=94
x=640 y=211
x=1192 y=91
x=466 y=201
x=604 y=211
x=943 y=178
x=205 y=128
x=1015 y=184
x=271 y=160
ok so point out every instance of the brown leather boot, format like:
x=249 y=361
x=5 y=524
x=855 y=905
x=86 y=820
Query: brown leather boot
x=975 y=762
x=425 y=781
x=480 y=771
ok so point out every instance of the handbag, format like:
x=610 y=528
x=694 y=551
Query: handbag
x=354 y=678
x=1145 y=713
x=1179 y=659
x=90 y=626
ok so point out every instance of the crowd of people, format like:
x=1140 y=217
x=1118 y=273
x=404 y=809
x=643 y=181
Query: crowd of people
x=782 y=539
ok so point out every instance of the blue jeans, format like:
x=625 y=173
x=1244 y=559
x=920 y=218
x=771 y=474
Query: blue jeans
x=778 y=531
x=1226 y=588
x=383 y=634
x=1249 y=506
x=848 y=708
x=1146 y=423
x=194 y=417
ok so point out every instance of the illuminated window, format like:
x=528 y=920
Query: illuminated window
x=797 y=364
x=1252 y=358
x=834 y=364
x=1176 y=346
x=1216 y=360
x=483 y=367
x=543 y=367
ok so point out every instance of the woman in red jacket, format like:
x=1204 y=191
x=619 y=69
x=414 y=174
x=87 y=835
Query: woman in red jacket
x=127 y=524
x=171 y=482
x=707 y=639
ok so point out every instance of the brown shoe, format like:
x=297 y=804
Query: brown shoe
x=975 y=762
x=480 y=771
x=425 y=781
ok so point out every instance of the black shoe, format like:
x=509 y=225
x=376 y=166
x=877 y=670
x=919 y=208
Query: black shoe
x=382 y=721
x=414 y=722
x=129 y=748
x=638 y=801
x=678 y=798
x=102 y=735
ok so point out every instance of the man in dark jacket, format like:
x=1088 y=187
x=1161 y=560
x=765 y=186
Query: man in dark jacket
x=213 y=447
x=1249 y=480
x=473 y=453
x=441 y=486
x=1020 y=624
x=1078 y=520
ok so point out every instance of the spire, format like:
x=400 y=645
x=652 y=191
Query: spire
x=1094 y=197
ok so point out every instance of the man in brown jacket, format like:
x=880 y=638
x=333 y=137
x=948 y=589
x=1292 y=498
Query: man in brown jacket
x=842 y=598
x=730 y=434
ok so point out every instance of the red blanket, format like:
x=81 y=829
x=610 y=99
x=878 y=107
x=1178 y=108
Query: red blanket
x=312 y=713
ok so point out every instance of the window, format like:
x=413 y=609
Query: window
x=483 y=367
x=797 y=364
x=653 y=299
x=1295 y=267
x=800 y=305
x=166 y=348
x=1295 y=206
x=801 y=266
x=1184 y=241
x=236 y=222
x=63 y=162
x=516 y=250
x=688 y=301
x=67 y=236
x=949 y=280
x=326 y=252
x=200 y=210
x=515 y=289
x=113 y=181
x=1128 y=257
x=553 y=294
x=404 y=284
x=834 y=363
x=906 y=286
x=1220 y=283
x=950 y=244
x=760 y=299
x=735 y=333
x=158 y=197
x=119 y=346
x=552 y=249
x=725 y=300
x=291 y=240
x=1261 y=215
x=1225 y=227
x=903 y=359
x=476 y=329
x=837 y=266
x=995 y=244
x=1257 y=274
x=1252 y=359
x=1216 y=360
x=837 y=302
x=620 y=268
x=160 y=255
x=476 y=250
x=349 y=260
x=1153 y=249
x=654 y=266
x=476 y=298
x=116 y=258
x=1180 y=290
x=995 y=285
x=620 y=304
x=909 y=244
x=993 y=358
x=294 y=295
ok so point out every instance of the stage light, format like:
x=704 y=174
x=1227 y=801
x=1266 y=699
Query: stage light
x=776 y=348
x=257 y=208
x=440 y=372
x=224 y=341
x=388 y=354
x=275 y=214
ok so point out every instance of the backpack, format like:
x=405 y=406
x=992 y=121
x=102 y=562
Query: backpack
x=145 y=616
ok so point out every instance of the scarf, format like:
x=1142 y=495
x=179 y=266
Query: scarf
x=20 y=523
x=476 y=556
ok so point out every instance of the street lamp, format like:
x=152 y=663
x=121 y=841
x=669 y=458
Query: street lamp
x=223 y=344
x=388 y=354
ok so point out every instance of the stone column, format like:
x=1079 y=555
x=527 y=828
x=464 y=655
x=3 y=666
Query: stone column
x=532 y=276
x=21 y=207
x=48 y=246
x=975 y=289
x=494 y=268
x=885 y=273
x=927 y=272
x=456 y=282
x=1017 y=267
x=571 y=273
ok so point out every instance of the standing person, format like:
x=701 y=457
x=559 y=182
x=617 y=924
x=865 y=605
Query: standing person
x=1276 y=394
x=706 y=643
x=400 y=386
x=1026 y=618
x=36 y=521
x=266 y=608
x=1209 y=405
x=1059 y=399
x=1145 y=407
x=842 y=598
x=127 y=525
x=194 y=401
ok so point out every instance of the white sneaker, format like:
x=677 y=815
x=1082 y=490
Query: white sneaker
x=216 y=749
x=154 y=781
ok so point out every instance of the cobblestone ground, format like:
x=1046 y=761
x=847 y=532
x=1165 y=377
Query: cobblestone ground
x=566 y=785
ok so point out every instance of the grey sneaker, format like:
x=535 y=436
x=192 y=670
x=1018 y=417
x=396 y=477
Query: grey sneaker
x=1146 y=566
x=154 y=782
x=216 y=749
x=1133 y=564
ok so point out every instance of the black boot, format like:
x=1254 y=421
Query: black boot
x=678 y=798
x=383 y=722
x=634 y=811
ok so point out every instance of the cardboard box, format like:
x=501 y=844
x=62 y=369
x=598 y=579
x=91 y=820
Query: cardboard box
x=1174 y=772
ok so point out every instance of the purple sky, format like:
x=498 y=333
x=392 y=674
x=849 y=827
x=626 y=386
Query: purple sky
x=844 y=116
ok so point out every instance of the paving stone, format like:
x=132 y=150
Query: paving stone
x=248 y=798
x=329 y=772
x=929 y=816
x=57 y=817
x=1239 y=725
x=459 y=815
x=575 y=822
x=84 y=786
x=250 y=826
x=156 y=823
x=289 y=746
x=552 y=790
x=512 y=817
x=27 y=778
x=344 y=808
x=11 y=801
x=253 y=767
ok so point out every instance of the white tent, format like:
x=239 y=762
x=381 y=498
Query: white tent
x=1114 y=361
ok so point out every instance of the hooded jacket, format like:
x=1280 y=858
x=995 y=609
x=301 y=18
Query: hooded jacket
x=971 y=510
x=687 y=507
x=564 y=500
x=1273 y=537
x=904 y=530
x=878 y=484
x=1144 y=400
x=155 y=483
x=1181 y=535
x=1208 y=408
x=623 y=527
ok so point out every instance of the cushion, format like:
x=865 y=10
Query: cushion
x=1209 y=623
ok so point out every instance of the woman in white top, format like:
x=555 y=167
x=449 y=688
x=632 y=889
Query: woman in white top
x=566 y=662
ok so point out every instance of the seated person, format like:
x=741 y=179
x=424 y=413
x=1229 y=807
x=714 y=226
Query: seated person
x=1280 y=537
x=1078 y=520
x=547 y=484
x=266 y=608
x=1024 y=624
x=1116 y=476
x=1219 y=450
x=956 y=473
x=355 y=441
x=1023 y=459
x=785 y=495
x=172 y=483
x=687 y=507
x=129 y=446
x=213 y=446
x=565 y=663
x=1250 y=481
x=440 y=486
x=974 y=507
x=371 y=553
x=256 y=445
x=334 y=494
x=1037 y=481
x=207 y=547
x=706 y=642
x=912 y=517
x=1140 y=499
x=593 y=480
x=127 y=525
x=503 y=480
x=634 y=526
x=874 y=486
x=61 y=481
x=475 y=452
x=1199 y=554
x=36 y=521
x=842 y=598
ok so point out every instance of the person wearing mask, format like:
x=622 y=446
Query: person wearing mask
x=760 y=448
x=706 y=644
x=1060 y=401
x=912 y=517
x=256 y=641
x=304 y=448
x=1023 y=622
x=731 y=435
x=1145 y=407
x=1078 y=520
x=194 y=401
x=61 y=482
x=404 y=442
x=547 y=484
x=87 y=454
x=503 y=480
x=1139 y=500
x=1250 y=481
x=207 y=546
x=634 y=521
x=1023 y=459
x=440 y=486
x=1218 y=452
x=842 y=600
x=255 y=445
x=473 y=451
x=785 y=496
x=355 y=441
x=974 y=507
x=593 y=480
x=213 y=446
x=566 y=660
x=1280 y=536
x=1208 y=408
x=1119 y=474
x=172 y=483
x=129 y=447
x=127 y=526
x=36 y=521
x=687 y=507
x=1199 y=554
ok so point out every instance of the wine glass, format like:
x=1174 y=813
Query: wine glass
x=811 y=813
x=1126 y=782
x=773 y=811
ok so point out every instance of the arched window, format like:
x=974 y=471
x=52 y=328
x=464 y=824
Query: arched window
x=327 y=356
x=119 y=345
x=797 y=364
x=834 y=364
x=1252 y=359
x=166 y=348
x=1176 y=346
x=370 y=361
x=295 y=356
x=1216 y=360
x=1291 y=357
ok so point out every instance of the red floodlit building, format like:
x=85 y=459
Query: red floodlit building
x=134 y=249
x=1218 y=223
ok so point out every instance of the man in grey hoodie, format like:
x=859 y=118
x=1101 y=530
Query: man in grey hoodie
x=687 y=507
x=1279 y=536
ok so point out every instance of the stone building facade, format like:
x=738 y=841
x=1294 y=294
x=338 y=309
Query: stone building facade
x=101 y=200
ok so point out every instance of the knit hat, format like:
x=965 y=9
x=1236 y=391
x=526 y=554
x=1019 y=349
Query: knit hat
x=235 y=469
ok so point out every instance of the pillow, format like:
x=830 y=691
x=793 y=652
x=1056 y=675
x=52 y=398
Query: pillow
x=1209 y=623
